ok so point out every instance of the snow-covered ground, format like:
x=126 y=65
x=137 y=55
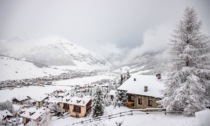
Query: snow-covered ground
x=11 y=69
x=38 y=91
x=32 y=91
x=82 y=81
x=151 y=119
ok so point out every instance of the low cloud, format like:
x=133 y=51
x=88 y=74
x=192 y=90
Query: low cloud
x=154 y=39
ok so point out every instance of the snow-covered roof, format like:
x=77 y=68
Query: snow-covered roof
x=21 y=98
x=42 y=98
x=137 y=87
x=33 y=113
x=112 y=92
x=4 y=114
x=76 y=100
x=53 y=99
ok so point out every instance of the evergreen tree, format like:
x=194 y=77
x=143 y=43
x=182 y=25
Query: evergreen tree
x=121 y=97
x=121 y=79
x=186 y=83
x=98 y=106
x=7 y=105
x=128 y=74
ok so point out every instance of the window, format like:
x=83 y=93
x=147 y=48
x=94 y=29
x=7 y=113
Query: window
x=66 y=106
x=77 y=109
x=149 y=102
x=140 y=101
x=132 y=98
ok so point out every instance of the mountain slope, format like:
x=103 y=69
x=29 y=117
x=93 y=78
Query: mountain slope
x=154 y=61
x=60 y=53
x=12 y=68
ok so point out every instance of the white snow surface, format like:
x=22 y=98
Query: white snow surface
x=151 y=119
x=32 y=91
x=12 y=69
x=83 y=81
x=202 y=117
x=137 y=87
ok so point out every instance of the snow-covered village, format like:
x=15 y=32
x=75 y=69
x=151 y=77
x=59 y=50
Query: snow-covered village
x=104 y=63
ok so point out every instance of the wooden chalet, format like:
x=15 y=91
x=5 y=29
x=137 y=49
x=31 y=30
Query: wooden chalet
x=76 y=106
x=143 y=91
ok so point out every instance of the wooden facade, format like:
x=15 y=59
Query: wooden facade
x=141 y=102
x=76 y=110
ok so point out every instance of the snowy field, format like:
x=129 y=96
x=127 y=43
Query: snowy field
x=32 y=91
x=151 y=119
x=12 y=69
x=38 y=91
x=82 y=81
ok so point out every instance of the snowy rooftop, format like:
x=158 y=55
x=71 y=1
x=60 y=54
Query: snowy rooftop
x=53 y=99
x=21 y=98
x=137 y=87
x=33 y=113
x=4 y=114
x=112 y=92
x=41 y=98
x=77 y=100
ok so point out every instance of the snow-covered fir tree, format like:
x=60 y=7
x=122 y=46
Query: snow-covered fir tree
x=121 y=79
x=128 y=74
x=121 y=97
x=186 y=83
x=7 y=105
x=98 y=106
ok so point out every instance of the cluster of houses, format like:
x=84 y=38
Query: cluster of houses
x=47 y=80
x=143 y=91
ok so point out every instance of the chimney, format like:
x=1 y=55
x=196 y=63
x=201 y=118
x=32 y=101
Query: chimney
x=145 y=88
x=158 y=76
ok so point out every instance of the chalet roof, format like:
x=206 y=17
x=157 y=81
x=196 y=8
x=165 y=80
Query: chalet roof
x=21 y=98
x=42 y=98
x=4 y=114
x=33 y=113
x=112 y=92
x=80 y=101
x=137 y=87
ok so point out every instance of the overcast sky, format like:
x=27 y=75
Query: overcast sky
x=98 y=24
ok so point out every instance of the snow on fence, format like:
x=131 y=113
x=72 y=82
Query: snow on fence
x=125 y=113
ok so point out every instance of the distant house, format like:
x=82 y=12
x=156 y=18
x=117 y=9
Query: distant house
x=39 y=116
x=76 y=106
x=143 y=91
x=20 y=99
x=40 y=101
x=5 y=115
x=112 y=94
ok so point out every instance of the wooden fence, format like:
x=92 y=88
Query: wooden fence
x=125 y=113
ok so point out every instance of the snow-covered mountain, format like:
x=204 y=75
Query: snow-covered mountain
x=12 y=68
x=57 y=52
x=154 y=61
